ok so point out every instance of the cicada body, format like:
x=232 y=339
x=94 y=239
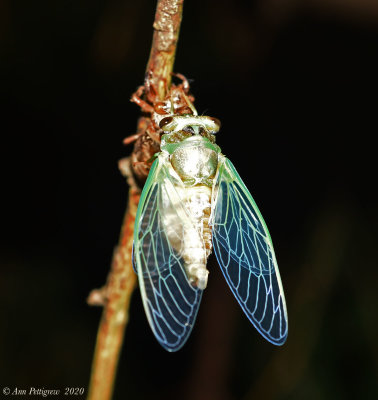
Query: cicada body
x=194 y=202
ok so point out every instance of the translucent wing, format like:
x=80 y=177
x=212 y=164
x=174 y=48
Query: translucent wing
x=244 y=250
x=170 y=301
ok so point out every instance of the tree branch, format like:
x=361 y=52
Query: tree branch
x=166 y=31
x=115 y=296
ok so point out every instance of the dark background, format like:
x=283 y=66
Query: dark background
x=295 y=85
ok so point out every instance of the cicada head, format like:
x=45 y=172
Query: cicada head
x=176 y=123
x=177 y=128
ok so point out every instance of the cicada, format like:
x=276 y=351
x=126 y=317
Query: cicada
x=194 y=202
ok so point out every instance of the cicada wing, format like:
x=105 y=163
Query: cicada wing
x=244 y=250
x=170 y=301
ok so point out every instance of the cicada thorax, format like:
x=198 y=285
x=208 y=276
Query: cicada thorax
x=195 y=160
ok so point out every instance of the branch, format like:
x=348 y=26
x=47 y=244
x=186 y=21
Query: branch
x=115 y=296
x=167 y=26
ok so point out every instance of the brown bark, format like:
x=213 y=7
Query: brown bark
x=115 y=296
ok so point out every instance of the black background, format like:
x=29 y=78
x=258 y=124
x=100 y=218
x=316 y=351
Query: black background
x=295 y=86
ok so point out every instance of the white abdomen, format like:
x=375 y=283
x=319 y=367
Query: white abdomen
x=198 y=244
x=188 y=230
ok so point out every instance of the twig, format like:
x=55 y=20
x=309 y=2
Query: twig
x=117 y=294
x=166 y=30
x=122 y=280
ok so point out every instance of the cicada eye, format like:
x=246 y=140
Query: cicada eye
x=217 y=123
x=164 y=122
